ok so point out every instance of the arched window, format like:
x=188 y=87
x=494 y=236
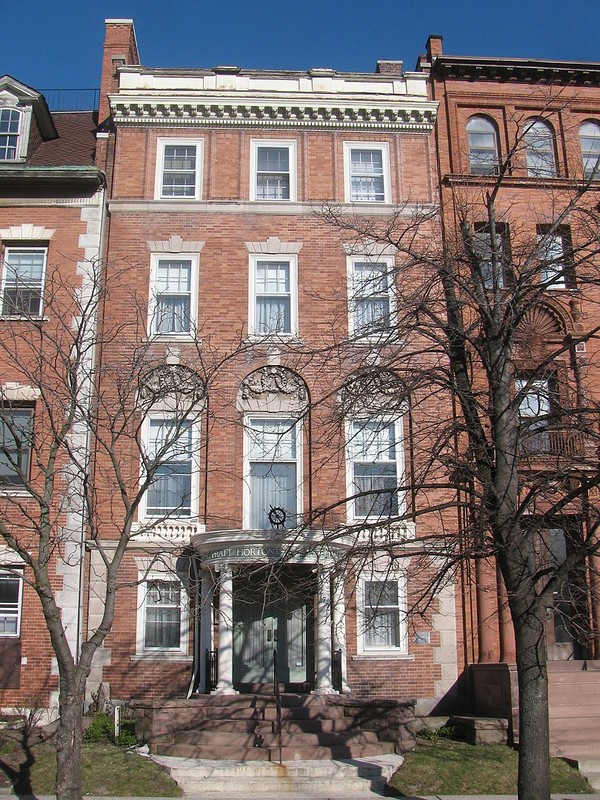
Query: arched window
x=10 y=120
x=589 y=141
x=539 y=147
x=482 y=138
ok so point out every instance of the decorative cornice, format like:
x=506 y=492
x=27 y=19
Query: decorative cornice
x=415 y=117
x=27 y=230
x=175 y=244
x=273 y=246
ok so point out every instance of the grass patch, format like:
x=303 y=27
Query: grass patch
x=106 y=770
x=448 y=767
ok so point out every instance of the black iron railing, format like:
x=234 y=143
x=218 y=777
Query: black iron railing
x=336 y=670
x=211 y=665
x=277 y=702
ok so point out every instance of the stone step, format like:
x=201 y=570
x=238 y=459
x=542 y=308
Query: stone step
x=558 y=712
x=578 y=723
x=362 y=776
x=322 y=712
x=288 y=753
x=566 y=737
x=306 y=725
x=237 y=739
x=576 y=750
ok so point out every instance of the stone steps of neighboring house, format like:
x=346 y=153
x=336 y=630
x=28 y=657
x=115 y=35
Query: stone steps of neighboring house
x=589 y=768
x=297 y=752
x=268 y=726
x=270 y=740
x=588 y=724
x=566 y=737
x=559 y=711
x=575 y=750
x=362 y=776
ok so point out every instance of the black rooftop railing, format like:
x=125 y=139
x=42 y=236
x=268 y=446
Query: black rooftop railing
x=72 y=99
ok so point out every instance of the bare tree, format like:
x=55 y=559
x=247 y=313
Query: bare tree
x=71 y=425
x=495 y=332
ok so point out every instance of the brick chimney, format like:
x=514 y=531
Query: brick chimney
x=120 y=48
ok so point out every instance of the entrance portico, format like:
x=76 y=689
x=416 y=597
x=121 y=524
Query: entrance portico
x=271 y=591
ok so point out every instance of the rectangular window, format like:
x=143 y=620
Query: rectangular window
x=171 y=460
x=374 y=452
x=367 y=173
x=11 y=592
x=382 y=613
x=555 y=259
x=371 y=297
x=273 y=467
x=179 y=169
x=23 y=275
x=10 y=120
x=173 y=294
x=273 y=170
x=16 y=429
x=493 y=257
x=535 y=397
x=163 y=613
x=273 y=309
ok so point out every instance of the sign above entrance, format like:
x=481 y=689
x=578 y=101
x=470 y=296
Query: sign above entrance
x=264 y=552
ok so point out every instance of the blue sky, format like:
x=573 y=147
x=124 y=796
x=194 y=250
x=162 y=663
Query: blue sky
x=59 y=45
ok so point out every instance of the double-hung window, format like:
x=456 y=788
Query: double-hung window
x=589 y=142
x=382 y=614
x=493 y=255
x=11 y=593
x=162 y=615
x=375 y=453
x=10 y=120
x=171 y=459
x=173 y=295
x=367 y=172
x=23 y=274
x=273 y=296
x=179 y=169
x=539 y=148
x=273 y=170
x=482 y=141
x=273 y=473
x=555 y=261
x=16 y=430
x=371 y=300
x=535 y=398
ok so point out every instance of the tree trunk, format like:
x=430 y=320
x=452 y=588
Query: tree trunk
x=534 y=727
x=68 y=742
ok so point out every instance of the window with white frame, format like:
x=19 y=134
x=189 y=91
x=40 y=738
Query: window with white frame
x=375 y=468
x=382 y=613
x=538 y=136
x=482 y=141
x=371 y=300
x=179 y=169
x=273 y=170
x=23 y=275
x=273 y=295
x=589 y=142
x=536 y=398
x=10 y=123
x=11 y=594
x=162 y=615
x=173 y=295
x=171 y=458
x=367 y=172
x=555 y=258
x=273 y=458
x=16 y=431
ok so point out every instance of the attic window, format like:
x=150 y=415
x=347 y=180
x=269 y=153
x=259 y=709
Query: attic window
x=10 y=120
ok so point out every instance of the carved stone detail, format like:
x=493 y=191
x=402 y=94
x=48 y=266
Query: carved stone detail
x=274 y=380
x=375 y=391
x=172 y=380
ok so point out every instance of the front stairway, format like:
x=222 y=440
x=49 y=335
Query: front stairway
x=574 y=706
x=244 y=728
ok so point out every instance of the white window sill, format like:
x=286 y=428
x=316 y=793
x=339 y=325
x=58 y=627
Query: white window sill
x=274 y=338
x=379 y=655
x=187 y=338
x=6 y=491
x=160 y=655
x=16 y=318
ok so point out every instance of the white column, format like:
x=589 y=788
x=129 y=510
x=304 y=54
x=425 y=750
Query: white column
x=323 y=634
x=206 y=628
x=225 y=684
x=339 y=626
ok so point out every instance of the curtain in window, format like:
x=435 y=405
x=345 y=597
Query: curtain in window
x=163 y=615
x=375 y=469
x=179 y=171
x=9 y=604
x=273 y=471
x=173 y=301
x=366 y=169
x=381 y=614
x=273 y=301
x=272 y=173
x=24 y=273
x=170 y=447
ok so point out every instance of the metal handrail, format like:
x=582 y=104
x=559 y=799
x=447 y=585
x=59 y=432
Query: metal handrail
x=277 y=703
